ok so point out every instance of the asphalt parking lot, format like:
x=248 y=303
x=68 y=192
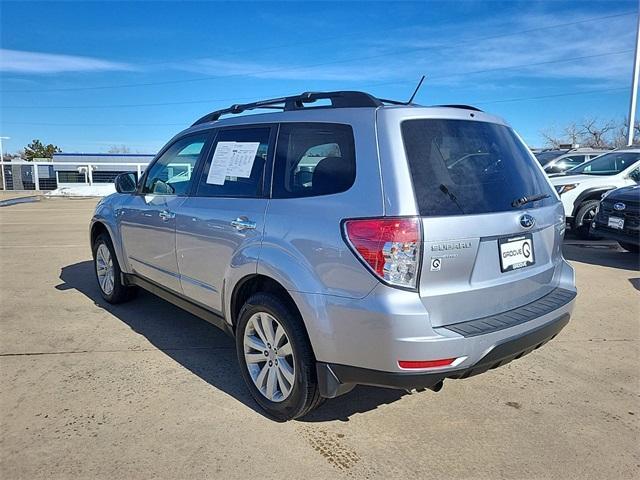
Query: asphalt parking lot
x=145 y=390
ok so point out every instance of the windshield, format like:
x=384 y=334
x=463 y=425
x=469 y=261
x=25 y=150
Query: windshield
x=470 y=167
x=545 y=157
x=607 y=164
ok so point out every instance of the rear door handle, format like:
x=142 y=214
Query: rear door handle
x=166 y=215
x=243 y=223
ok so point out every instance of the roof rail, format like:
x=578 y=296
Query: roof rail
x=339 y=99
x=465 y=107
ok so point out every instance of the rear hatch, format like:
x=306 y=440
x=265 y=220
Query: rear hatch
x=487 y=247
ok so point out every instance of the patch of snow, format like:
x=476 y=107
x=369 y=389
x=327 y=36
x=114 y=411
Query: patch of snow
x=84 y=191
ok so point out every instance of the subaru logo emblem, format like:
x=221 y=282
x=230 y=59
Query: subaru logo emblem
x=527 y=221
x=619 y=206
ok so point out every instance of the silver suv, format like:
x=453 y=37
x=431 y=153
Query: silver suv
x=363 y=241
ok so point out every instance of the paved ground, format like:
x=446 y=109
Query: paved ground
x=145 y=390
x=9 y=194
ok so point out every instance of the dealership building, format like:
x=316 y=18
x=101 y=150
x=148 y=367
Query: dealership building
x=72 y=169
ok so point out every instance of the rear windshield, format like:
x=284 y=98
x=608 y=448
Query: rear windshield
x=470 y=167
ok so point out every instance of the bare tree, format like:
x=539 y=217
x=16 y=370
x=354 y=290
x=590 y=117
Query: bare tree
x=8 y=157
x=595 y=135
x=591 y=133
x=551 y=139
x=619 y=137
x=572 y=133
x=119 y=149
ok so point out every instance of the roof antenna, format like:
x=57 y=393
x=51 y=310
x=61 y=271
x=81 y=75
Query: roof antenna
x=408 y=102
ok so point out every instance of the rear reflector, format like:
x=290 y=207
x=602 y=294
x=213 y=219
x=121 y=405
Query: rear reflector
x=426 y=363
x=390 y=247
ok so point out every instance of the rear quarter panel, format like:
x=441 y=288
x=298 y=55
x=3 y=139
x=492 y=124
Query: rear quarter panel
x=302 y=246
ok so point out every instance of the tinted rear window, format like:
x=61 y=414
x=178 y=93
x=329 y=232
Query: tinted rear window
x=469 y=167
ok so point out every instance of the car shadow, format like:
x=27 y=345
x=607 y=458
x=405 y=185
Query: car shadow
x=602 y=253
x=205 y=350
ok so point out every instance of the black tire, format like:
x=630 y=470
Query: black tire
x=304 y=395
x=121 y=292
x=583 y=219
x=630 y=247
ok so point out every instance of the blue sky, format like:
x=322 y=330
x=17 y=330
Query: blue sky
x=89 y=75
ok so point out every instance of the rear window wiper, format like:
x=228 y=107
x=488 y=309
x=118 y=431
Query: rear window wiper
x=443 y=188
x=518 y=202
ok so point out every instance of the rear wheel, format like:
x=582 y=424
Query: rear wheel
x=275 y=357
x=630 y=247
x=108 y=272
x=584 y=217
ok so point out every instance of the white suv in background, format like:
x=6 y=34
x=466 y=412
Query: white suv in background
x=559 y=161
x=582 y=187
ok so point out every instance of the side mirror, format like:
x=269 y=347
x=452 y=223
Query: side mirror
x=125 y=183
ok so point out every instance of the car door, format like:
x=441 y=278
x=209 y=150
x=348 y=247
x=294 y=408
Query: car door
x=219 y=227
x=147 y=220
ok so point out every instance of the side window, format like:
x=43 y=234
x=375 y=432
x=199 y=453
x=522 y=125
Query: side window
x=313 y=159
x=573 y=160
x=236 y=167
x=171 y=173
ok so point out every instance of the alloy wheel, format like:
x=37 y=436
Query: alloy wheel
x=269 y=356
x=104 y=269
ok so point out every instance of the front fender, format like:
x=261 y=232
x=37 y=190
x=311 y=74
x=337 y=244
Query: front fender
x=106 y=215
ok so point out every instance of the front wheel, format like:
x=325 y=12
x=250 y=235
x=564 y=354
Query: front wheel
x=630 y=247
x=584 y=217
x=108 y=272
x=275 y=357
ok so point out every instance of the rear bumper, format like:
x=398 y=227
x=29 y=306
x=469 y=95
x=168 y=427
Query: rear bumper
x=390 y=325
x=336 y=379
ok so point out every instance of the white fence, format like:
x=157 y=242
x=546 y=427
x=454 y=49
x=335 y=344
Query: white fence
x=52 y=175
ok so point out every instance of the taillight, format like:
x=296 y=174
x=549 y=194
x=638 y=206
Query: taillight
x=389 y=246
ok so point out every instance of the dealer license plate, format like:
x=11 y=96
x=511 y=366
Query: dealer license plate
x=516 y=252
x=616 y=222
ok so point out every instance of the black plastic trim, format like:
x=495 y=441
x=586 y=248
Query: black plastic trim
x=339 y=99
x=554 y=300
x=502 y=353
x=463 y=107
x=181 y=302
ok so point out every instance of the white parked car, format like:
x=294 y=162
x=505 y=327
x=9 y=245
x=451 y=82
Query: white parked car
x=582 y=187
x=559 y=161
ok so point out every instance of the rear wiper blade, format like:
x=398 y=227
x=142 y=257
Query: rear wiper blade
x=518 y=202
x=443 y=188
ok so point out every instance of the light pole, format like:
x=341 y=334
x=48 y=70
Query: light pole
x=634 y=86
x=4 y=183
